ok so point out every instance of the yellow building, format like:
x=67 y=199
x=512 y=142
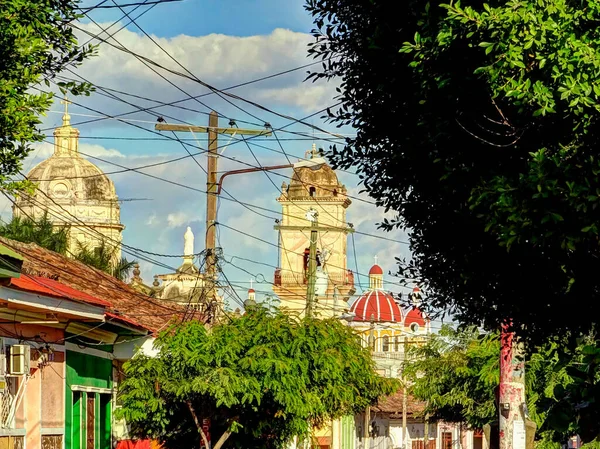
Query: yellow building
x=314 y=186
x=75 y=193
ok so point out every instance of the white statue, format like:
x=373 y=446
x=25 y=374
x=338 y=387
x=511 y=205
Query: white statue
x=188 y=243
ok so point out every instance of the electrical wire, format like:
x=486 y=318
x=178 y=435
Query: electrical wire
x=163 y=104
x=216 y=91
x=273 y=244
x=115 y=286
x=197 y=80
x=232 y=199
x=126 y=5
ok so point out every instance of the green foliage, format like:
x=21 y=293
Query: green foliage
x=264 y=377
x=36 y=44
x=41 y=232
x=457 y=373
x=103 y=257
x=571 y=382
x=478 y=123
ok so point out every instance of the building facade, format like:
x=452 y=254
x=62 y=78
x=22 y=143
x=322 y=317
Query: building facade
x=66 y=330
x=74 y=193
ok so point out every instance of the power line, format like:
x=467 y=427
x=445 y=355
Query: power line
x=191 y=139
x=125 y=5
x=244 y=204
x=197 y=80
x=164 y=104
x=170 y=138
x=273 y=244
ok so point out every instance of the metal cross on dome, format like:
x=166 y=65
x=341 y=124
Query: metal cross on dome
x=66 y=117
x=375 y=259
x=251 y=281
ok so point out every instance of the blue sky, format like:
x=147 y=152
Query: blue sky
x=222 y=43
x=201 y=17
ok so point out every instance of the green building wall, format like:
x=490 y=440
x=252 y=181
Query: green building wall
x=348 y=432
x=91 y=372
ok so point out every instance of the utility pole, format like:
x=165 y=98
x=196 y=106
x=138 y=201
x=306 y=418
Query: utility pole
x=212 y=191
x=313 y=216
x=211 y=199
x=512 y=416
x=367 y=420
x=426 y=432
x=404 y=400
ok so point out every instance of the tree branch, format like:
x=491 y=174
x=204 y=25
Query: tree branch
x=198 y=425
x=226 y=434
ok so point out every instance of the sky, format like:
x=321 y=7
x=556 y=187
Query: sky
x=222 y=44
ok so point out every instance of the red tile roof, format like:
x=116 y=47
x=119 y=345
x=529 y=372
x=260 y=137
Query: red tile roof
x=49 y=287
x=124 y=319
x=125 y=301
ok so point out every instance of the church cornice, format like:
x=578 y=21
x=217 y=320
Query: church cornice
x=309 y=200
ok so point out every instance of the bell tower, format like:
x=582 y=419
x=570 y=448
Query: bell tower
x=314 y=186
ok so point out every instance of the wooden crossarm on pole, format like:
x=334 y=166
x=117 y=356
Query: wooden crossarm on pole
x=205 y=129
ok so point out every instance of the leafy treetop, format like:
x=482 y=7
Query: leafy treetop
x=478 y=124
x=261 y=379
x=457 y=373
x=36 y=44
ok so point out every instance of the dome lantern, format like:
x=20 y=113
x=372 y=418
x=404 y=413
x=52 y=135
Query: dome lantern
x=376 y=277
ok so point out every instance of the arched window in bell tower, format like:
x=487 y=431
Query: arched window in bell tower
x=312 y=191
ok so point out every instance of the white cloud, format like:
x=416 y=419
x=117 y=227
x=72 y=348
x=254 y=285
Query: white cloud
x=152 y=220
x=177 y=219
x=99 y=151
x=217 y=59
x=44 y=150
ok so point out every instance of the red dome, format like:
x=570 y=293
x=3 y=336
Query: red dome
x=414 y=316
x=251 y=290
x=376 y=269
x=377 y=303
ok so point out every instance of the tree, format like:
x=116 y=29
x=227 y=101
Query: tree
x=103 y=257
x=477 y=123
x=41 y=232
x=457 y=373
x=261 y=379
x=36 y=44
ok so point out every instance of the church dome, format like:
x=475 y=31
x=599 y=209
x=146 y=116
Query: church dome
x=414 y=316
x=66 y=175
x=72 y=177
x=74 y=192
x=379 y=304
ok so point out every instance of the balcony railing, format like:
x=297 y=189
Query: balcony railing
x=388 y=355
x=291 y=279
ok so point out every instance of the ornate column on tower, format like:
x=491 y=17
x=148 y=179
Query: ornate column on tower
x=314 y=185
